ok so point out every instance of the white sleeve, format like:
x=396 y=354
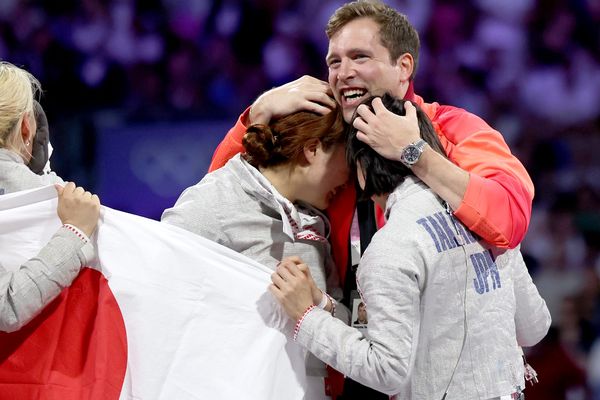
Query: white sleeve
x=390 y=290
x=532 y=317
x=26 y=291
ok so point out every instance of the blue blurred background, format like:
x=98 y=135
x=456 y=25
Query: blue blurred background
x=139 y=93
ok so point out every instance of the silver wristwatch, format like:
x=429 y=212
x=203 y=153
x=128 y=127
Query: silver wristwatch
x=411 y=153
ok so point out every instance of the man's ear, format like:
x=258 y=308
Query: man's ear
x=406 y=65
x=310 y=149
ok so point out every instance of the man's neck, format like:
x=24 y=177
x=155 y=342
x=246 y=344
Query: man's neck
x=410 y=91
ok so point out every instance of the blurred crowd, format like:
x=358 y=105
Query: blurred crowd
x=529 y=68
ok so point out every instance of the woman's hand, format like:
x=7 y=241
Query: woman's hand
x=78 y=207
x=294 y=287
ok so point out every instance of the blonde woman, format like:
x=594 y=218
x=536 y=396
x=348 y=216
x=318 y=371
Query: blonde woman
x=25 y=290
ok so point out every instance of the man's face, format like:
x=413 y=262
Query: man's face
x=360 y=66
x=362 y=313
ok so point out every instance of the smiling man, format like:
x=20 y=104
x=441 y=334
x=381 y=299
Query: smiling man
x=374 y=49
x=363 y=60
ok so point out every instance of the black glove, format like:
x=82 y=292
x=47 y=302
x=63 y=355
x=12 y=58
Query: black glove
x=40 y=141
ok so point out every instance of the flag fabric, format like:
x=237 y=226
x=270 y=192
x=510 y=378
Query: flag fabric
x=161 y=314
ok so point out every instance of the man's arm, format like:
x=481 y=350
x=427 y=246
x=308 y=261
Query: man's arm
x=487 y=187
x=305 y=93
x=496 y=207
x=497 y=201
x=231 y=144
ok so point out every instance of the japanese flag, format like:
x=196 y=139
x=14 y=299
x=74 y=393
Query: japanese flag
x=161 y=314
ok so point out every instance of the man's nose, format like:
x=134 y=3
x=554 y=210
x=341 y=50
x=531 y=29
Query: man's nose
x=346 y=70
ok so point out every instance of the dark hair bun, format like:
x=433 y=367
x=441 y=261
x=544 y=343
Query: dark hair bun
x=259 y=143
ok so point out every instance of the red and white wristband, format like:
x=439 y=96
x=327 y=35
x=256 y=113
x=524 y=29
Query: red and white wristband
x=297 y=327
x=77 y=232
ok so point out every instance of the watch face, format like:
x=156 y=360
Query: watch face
x=411 y=154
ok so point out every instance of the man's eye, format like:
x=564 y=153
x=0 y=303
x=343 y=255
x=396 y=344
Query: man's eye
x=334 y=63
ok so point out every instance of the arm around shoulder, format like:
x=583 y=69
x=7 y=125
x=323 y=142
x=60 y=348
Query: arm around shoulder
x=305 y=93
x=487 y=187
x=497 y=201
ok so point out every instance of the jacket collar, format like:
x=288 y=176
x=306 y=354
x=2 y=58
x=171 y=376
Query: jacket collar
x=410 y=92
x=8 y=155
x=300 y=221
x=410 y=185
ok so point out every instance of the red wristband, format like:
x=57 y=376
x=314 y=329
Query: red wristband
x=77 y=232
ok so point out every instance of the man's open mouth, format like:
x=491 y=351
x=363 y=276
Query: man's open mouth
x=353 y=96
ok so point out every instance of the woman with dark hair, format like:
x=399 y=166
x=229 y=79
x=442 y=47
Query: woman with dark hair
x=385 y=175
x=447 y=311
x=266 y=202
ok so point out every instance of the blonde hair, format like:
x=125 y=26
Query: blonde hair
x=18 y=88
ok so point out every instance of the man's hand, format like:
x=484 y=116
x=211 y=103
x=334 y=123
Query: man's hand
x=305 y=93
x=386 y=132
x=293 y=286
x=78 y=207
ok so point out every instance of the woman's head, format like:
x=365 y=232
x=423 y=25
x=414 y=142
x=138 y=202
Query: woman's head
x=377 y=175
x=283 y=141
x=308 y=147
x=17 y=122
